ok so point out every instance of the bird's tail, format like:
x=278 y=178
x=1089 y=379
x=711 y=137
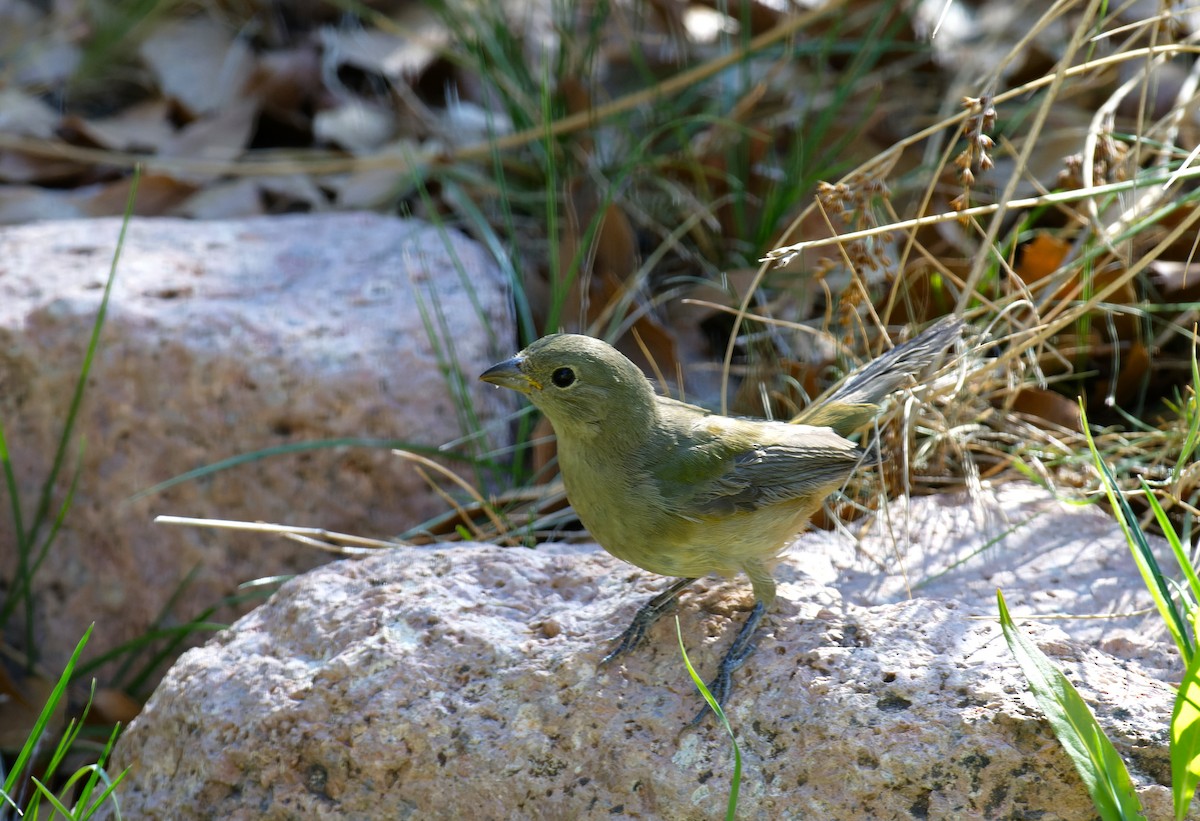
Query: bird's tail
x=856 y=400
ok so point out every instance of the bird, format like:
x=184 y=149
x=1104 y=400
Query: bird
x=683 y=492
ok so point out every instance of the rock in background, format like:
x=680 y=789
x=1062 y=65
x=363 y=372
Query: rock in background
x=224 y=338
x=464 y=682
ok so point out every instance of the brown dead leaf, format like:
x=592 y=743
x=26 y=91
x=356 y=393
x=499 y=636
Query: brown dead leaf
x=284 y=81
x=575 y=95
x=577 y=99
x=157 y=195
x=21 y=703
x=110 y=706
x=1130 y=380
x=811 y=227
x=1125 y=293
x=1041 y=257
x=1185 y=247
x=16 y=167
x=601 y=267
x=1049 y=405
x=601 y=286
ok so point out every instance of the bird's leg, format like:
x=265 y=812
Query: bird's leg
x=743 y=645
x=649 y=613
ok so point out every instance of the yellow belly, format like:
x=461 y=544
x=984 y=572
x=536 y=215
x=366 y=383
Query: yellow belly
x=673 y=544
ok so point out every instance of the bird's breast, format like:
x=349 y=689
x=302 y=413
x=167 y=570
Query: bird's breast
x=622 y=507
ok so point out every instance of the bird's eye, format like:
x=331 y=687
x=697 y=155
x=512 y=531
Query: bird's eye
x=563 y=377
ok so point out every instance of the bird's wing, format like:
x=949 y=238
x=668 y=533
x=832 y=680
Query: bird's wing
x=725 y=466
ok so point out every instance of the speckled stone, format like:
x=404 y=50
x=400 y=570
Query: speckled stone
x=463 y=682
x=222 y=339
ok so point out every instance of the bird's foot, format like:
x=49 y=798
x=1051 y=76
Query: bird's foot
x=645 y=617
x=743 y=645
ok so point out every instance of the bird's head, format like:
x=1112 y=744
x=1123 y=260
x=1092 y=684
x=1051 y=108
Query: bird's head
x=579 y=382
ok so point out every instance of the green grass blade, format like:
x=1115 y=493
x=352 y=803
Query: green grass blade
x=65 y=742
x=1185 y=739
x=94 y=774
x=91 y=810
x=1099 y=765
x=39 y=727
x=177 y=632
x=1190 y=407
x=60 y=453
x=104 y=796
x=1181 y=553
x=10 y=483
x=1143 y=557
x=59 y=519
x=44 y=791
x=21 y=589
x=735 y=787
x=21 y=575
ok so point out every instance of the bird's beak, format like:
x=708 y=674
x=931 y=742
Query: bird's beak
x=508 y=374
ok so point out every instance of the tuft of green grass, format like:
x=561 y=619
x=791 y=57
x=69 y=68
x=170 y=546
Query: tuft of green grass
x=1185 y=737
x=1098 y=763
x=1094 y=756
x=84 y=791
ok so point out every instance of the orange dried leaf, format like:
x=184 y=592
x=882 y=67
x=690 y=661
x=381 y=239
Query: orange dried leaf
x=21 y=704
x=1046 y=404
x=1041 y=257
x=1135 y=364
x=157 y=194
x=110 y=706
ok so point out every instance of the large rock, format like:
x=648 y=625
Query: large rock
x=463 y=682
x=225 y=338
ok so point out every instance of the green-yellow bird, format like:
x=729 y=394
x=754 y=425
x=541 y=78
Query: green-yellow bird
x=680 y=491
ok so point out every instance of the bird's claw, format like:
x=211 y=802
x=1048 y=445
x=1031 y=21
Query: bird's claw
x=743 y=644
x=644 y=619
x=741 y=649
x=630 y=637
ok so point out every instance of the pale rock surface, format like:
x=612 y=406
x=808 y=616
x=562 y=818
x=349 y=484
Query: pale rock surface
x=463 y=682
x=1066 y=562
x=224 y=338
